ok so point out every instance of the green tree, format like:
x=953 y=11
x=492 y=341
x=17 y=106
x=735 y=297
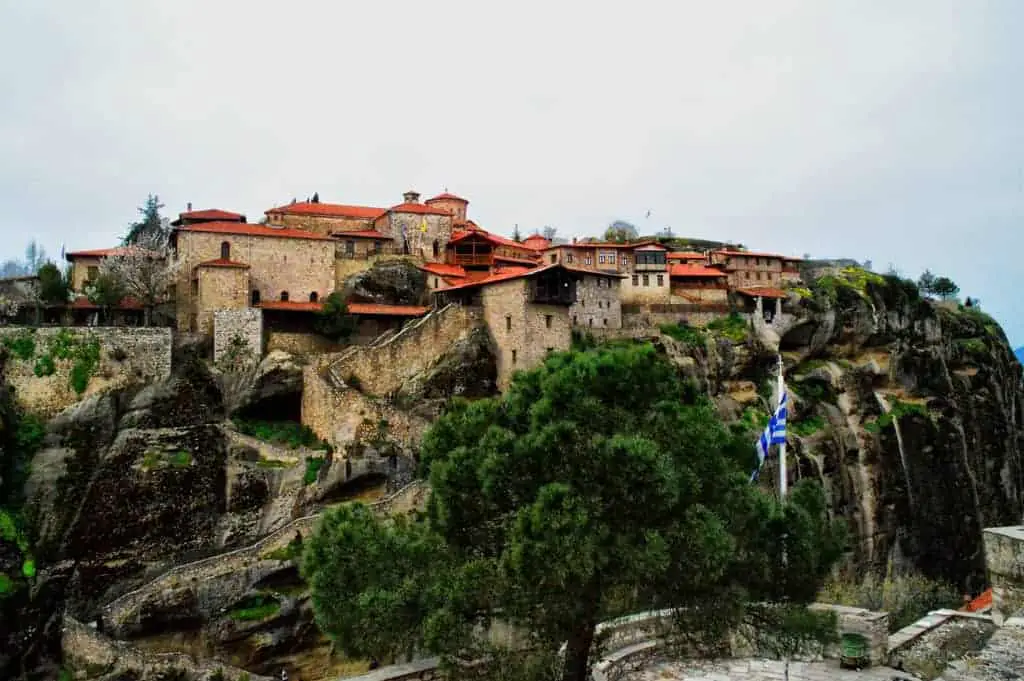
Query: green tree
x=516 y=236
x=105 y=291
x=599 y=481
x=945 y=288
x=53 y=285
x=152 y=226
x=333 y=320
x=926 y=284
x=620 y=232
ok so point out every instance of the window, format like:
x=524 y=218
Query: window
x=625 y=259
x=758 y=276
x=350 y=247
x=254 y=297
x=437 y=248
x=590 y=321
x=599 y=304
x=508 y=323
x=568 y=257
x=550 y=350
x=284 y=296
x=376 y=247
x=225 y=250
x=554 y=257
x=92 y=273
x=588 y=260
x=605 y=320
x=600 y=258
x=636 y=280
x=661 y=280
x=195 y=287
x=547 y=321
x=647 y=280
x=513 y=356
x=314 y=297
x=574 y=320
x=746 y=275
x=435 y=282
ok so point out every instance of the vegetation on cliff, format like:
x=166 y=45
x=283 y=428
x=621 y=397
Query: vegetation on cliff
x=599 y=483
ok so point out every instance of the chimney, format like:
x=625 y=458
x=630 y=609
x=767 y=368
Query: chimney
x=574 y=240
x=188 y=207
x=411 y=197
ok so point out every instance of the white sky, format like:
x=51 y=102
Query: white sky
x=886 y=130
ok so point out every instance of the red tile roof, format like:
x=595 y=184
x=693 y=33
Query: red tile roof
x=353 y=308
x=609 y=244
x=982 y=602
x=223 y=262
x=459 y=235
x=388 y=310
x=536 y=242
x=519 y=273
x=361 y=234
x=105 y=252
x=749 y=254
x=417 y=208
x=764 y=292
x=681 y=270
x=328 y=210
x=447 y=197
x=243 y=229
x=443 y=270
x=211 y=214
x=516 y=261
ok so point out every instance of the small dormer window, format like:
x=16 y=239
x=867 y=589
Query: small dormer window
x=225 y=250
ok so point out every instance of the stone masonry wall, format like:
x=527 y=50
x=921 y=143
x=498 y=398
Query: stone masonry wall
x=213 y=583
x=652 y=317
x=1004 y=559
x=298 y=266
x=439 y=229
x=523 y=332
x=597 y=304
x=220 y=288
x=245 y=324
x=296 y=343
x=126 y=355
x=385 y=366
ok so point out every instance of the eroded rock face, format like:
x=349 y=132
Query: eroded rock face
x=392 y=282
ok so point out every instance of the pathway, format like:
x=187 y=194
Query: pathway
x=761 y=670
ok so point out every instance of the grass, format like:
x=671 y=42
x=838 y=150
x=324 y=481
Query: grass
x=734 y=327
x=313 y=466
x=808 y=426
x=689 y=336
x=907 y=598
x=272 y=463
x=292 y=550
x=972 y=346
x=284 y=433
x=254 y=609
x=181 y=459
x=156 y=459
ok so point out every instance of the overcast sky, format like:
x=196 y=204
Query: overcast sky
x=885 y=130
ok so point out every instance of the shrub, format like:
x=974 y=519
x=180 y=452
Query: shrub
x=86 y=358
x=333 y=320
x=313 y=466
x=808 y=426
x=180 y=459
x=285 y=433
x=44 y=366
x=254 y=608
x=734 y=327
x=21 y=345
x=689 y=336
x=907 y=598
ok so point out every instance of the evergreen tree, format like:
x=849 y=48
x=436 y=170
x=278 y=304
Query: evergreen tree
x=53 y=286
x=333 y=319
x=926 y=284
x=516 y=236
x=316 y=197
x=152 y=226
x=597 y=483
x=945 y=288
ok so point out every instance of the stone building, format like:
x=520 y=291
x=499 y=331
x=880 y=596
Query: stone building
x=698 y=284
x=531 y=312
x=643 y=264
x=748 y=269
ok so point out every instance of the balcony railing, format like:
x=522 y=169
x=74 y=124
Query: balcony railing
x=464 y=259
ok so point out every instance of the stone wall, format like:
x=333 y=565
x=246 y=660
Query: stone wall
x=205 y=586
x=925 y=647
x=299 y=266
x=645 y=287
x=597 y=303
x=421 y=244
x=1004 y=559
x=523 y=332
x=1002 y=658
x=385 y=365
x=320 y=225
x=653 y=316
x=296 y=343
x=220 y=288
x=126 y=355
x=874 y=626
x=245 y=324
x=85 y=649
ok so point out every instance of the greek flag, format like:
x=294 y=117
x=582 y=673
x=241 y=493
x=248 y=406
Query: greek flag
x=775 y=432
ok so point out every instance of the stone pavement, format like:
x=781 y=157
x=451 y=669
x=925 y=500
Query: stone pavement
x=761 y=670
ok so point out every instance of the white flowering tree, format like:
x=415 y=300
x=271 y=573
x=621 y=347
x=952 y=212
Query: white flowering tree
x=145 y=270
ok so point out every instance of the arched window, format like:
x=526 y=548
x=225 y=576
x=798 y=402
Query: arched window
x=225 y=250
x=255 y=297
x=284 y=296
x=437 y=248
x=314 y=296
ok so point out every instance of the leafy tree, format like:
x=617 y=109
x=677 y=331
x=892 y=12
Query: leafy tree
x=105 y=291
x=146 y=271
x=926 y=283
x=549 y=232
x=152 y=226
x=53 y=285
x=333 y=320
x=620 y=232
x=598 y=479
x=945 y=288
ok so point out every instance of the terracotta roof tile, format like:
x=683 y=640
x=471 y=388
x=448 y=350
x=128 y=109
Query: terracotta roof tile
x=750 y=254
x=353 y=308
x=417 y=208
x=516 y=261
x=105 y=252
x=695 y=271
x=520 y=273
x=447 y=197
x=443 y=270
x=223 y=262
x=329 y=210
x=127 y=303
x=686 y=255
x=211 y=214
x=763 y=292
x=243 y=229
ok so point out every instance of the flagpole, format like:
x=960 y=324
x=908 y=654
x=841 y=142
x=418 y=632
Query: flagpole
x=783 y=476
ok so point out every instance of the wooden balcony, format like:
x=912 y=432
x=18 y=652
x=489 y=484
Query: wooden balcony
x=470 y=260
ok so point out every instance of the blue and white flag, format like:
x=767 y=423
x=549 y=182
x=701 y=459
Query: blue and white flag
x=775 y=432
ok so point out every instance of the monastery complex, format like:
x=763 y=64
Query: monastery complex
x=533 y=293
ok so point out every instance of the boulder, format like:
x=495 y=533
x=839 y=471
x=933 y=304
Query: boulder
x=388 y=282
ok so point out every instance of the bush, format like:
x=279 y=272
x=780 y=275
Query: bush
x=808 y=426
x=907 y=598
x=254 y=609
x=734 y=327
x=44 y=366
x=21 y=345
x=86 y=359
x=313 y=466
x=333 y=320
x=285 y=433
x=689 y=336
